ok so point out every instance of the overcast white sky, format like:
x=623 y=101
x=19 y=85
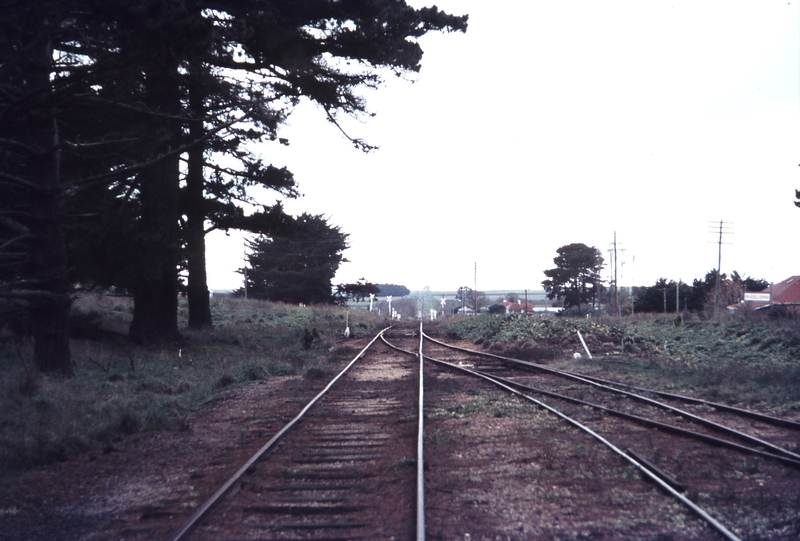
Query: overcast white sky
x=549 y=123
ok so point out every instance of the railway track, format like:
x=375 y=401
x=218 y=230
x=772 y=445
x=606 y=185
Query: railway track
x=344 y=468
x=530 y=466
x=719 y=424
x=746 y=445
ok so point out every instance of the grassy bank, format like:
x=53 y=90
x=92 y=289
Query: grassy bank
x=120 y=389
x=747 y=360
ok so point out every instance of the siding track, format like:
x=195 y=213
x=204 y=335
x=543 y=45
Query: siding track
x=607 y=412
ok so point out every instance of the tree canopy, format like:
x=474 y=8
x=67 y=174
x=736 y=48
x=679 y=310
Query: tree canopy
x=297 y=266
x=394 y=290
x=697 y=297
x=576 y=277
x=357 y=291
x=115 y=116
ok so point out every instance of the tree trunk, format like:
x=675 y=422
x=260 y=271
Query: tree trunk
x=155 y=296
x=51 y=304
x=195 y=235
x=197 y=291
x=50 y=300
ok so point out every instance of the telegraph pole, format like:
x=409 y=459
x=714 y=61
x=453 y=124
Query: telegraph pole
x=633 y=290
x=245 y=269
x=616 y=283
x=613 y=251
x=727 y=230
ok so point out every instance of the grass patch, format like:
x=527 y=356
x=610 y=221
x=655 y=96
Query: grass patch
x=747 y=360
x=120 y=389
x=405 y=462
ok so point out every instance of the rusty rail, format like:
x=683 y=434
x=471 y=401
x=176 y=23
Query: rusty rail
x=203 y=509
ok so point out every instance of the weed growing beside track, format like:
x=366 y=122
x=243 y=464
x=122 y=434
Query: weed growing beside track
x=120 y=389
x=741 y=360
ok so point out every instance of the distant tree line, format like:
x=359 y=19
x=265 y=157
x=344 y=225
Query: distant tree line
x=386 y=290
x=698 y=296
x=576 y=281
x=125 y=136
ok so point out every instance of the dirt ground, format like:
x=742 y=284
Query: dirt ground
x=496 y=469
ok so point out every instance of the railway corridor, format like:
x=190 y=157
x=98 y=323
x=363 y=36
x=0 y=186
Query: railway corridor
x=340 y=461
x=498 y=463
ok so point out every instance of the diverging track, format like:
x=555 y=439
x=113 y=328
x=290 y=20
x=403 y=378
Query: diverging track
x=509 y=450
x=734 y=485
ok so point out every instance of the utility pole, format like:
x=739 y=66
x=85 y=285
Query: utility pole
x=633 y=288
x=616 y=283
x=245 y=269
x=475 y=291
x=727 y=230
x=617 y=308
x=678 y=298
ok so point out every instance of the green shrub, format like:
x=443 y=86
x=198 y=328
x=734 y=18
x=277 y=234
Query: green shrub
x=226 y=380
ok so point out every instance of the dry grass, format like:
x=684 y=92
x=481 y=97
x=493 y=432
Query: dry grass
x=744 y=360
x=120 y=389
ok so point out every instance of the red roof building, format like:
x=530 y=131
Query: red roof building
x=786 y=293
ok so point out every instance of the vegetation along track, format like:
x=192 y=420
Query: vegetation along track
x=342 y=469
x=747 y=479
x=497 y=466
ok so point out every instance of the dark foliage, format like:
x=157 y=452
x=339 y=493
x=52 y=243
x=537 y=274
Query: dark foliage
x=386 y=290
x=100 y=102
x=576 y=277
x=358 y=291
x=698 y=297
x=298 y=265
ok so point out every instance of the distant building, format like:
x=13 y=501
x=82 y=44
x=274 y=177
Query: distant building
x=783 y=294
x=521 y=307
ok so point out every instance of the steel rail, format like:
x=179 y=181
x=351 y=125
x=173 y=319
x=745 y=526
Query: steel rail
x=203 y=509
x=642 y=420
x=420 y=437
x=714 y=523
x=696 y=418
x=647 y=422
x=770 y=419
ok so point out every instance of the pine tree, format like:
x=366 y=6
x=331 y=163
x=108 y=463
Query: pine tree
x=298 y=266
x=101 y=101
x=576 y=277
